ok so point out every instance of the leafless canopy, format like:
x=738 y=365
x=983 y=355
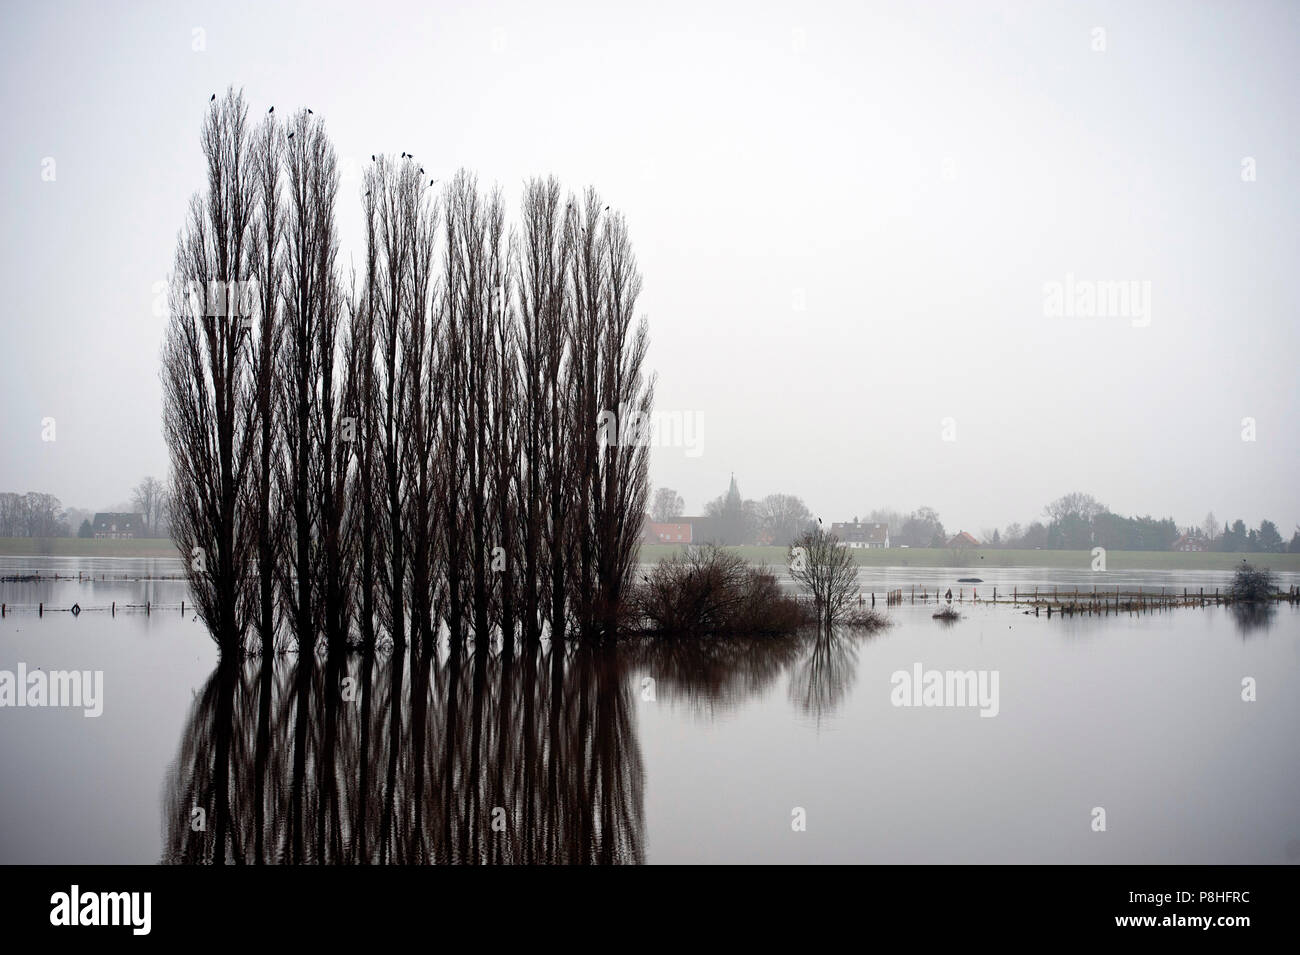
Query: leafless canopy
x=427 y=447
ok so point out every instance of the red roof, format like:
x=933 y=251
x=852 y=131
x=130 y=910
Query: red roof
x=674 y=533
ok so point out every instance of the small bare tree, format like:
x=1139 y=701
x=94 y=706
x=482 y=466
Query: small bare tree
x=825 y=569
x=147 y=498
x=666 y=505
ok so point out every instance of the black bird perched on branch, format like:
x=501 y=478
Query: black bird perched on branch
x=309 y=112
x=291 y=135
x=432 y=181
x=372 y=157
x=270 y=111
x=213 y=99
x=403 y=155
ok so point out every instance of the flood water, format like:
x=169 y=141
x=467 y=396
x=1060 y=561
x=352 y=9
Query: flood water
x=659 y=752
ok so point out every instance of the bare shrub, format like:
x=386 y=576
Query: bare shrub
x=708 y=591
x=1252 y=583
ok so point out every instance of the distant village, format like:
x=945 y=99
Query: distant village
x=1075 y=521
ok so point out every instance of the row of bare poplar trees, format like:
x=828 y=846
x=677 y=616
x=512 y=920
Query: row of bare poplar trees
x=414 y=445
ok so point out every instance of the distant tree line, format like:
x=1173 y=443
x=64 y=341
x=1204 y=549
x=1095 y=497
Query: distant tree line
x=730 y=519
x=37 y=514
x=447 y=436
x=1074 y=521
x=33 y=514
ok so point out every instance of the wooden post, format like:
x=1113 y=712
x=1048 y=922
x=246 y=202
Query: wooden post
x=41 y=610
x=114 y=608
x=146 y=608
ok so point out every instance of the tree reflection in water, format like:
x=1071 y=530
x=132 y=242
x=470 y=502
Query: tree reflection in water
x=491 y=754
x=477 y=757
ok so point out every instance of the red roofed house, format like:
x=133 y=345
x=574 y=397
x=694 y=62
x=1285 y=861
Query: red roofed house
x=963 y=540
x=678 y=533
x=1196 y=544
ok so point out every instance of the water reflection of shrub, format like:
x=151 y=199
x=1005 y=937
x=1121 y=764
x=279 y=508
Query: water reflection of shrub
x=1251 y=616
x=714 y=672
x=821 y=681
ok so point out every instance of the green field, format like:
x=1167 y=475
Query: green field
x=1063 y=559
x=85 y=547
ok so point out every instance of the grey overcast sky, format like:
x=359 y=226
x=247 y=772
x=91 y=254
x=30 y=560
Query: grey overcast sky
x=846 y=215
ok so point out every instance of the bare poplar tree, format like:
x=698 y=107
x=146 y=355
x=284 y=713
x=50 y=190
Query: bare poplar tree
x=390 y=181
x=310 y=297
x=265 y=265
x=612 y=402
x=422 y=378
x=541 y=283
x=207 y=401
x=364 y=411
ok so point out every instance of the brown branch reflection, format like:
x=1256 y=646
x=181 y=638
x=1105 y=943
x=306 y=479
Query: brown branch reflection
x=478 y=755
x=477 y=752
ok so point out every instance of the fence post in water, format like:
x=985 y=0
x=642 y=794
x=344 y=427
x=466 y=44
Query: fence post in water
x=114 y=608
x=146 y=608
x=183 y=606
x=41 y=609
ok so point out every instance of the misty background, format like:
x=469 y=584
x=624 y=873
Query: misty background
x=844 y=216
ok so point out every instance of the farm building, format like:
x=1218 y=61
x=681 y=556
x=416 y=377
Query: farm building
x=962 y=539
x=668 y=533
x=855 y=534
x=1189 y=544
x=114 y=526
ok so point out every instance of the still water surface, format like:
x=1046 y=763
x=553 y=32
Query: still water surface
x=655 y=752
